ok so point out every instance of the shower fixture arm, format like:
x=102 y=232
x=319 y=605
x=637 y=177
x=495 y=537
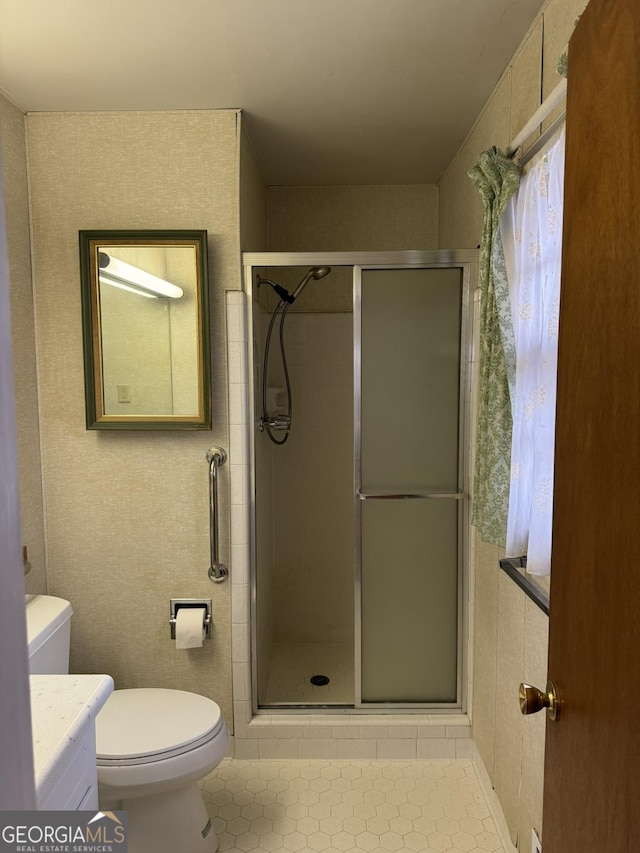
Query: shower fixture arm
x=282 y=292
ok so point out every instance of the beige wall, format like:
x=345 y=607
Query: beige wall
x=14 y=164
x=510 y=636
x=253 y=200
x=127 y=512
x=337 y=219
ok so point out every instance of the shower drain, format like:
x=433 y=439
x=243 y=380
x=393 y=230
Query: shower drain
x=319 y=680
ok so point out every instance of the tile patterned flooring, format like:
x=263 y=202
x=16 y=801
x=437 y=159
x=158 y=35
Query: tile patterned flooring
x=349 y=806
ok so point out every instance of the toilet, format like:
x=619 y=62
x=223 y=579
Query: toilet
x=152 y=745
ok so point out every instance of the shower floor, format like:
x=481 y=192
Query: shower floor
x=293 y=666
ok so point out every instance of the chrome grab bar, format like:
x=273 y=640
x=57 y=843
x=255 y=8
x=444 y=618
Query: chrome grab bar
x=391 y=496
x=215 y=457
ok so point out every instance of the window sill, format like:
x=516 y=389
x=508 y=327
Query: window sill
x=516 y=568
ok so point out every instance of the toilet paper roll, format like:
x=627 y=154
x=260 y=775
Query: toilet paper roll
x=190 y=628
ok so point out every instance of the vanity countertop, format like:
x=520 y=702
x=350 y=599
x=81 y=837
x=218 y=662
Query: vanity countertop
x=62 y=706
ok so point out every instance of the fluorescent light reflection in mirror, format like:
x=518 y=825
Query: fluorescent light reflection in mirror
x=127 y=277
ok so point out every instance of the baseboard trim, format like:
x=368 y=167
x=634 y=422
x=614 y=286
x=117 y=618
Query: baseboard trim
x=494 y=803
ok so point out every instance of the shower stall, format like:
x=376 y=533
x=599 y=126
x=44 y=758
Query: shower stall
x=359 y=390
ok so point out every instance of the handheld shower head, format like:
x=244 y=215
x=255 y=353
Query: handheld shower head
x=279 y=423
x=319 y=272
x=315 y=273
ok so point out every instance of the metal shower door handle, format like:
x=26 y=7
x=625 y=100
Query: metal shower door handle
x=369 y=496
x=215 y=457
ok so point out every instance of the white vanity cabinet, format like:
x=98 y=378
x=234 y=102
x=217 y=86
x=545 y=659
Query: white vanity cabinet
x=63 y=713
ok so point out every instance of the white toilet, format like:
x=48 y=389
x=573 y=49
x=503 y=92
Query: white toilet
x=152 y=746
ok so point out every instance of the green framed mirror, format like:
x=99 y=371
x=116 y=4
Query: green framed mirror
x=145 y=313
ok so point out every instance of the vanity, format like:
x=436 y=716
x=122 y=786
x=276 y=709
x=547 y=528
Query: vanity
x=63 y=713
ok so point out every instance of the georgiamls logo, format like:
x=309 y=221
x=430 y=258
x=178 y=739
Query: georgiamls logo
x=111 y=815
x=105 y=834
x=63 y=832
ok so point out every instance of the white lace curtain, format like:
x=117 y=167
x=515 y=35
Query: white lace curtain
x=531 y=230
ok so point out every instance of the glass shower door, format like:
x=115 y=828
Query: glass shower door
x=409 y=484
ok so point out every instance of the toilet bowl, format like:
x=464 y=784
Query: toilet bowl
x=152 y=746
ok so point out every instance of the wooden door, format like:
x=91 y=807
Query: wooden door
x=592 y=767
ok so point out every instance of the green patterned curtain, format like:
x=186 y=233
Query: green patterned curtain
x=496 y=178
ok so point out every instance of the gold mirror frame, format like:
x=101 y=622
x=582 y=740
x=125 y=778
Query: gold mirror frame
x=146 y=361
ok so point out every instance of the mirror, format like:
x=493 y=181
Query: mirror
x=145 y=329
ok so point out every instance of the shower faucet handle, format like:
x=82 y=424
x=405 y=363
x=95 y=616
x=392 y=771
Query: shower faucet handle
x=279 y=423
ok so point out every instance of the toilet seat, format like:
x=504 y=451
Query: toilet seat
x=144 y=725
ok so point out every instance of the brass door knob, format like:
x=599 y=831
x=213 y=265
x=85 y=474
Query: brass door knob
x=533 y=700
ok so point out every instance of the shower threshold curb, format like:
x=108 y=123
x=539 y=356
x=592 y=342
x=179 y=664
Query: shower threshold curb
x=353 y=736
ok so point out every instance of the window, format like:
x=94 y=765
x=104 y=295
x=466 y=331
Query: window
x=531 y=230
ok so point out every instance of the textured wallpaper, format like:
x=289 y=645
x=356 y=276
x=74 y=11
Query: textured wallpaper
x=127 y=512
x=253 y=203
x=358 y=218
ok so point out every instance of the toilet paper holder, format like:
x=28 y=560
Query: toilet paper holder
x=176 y=603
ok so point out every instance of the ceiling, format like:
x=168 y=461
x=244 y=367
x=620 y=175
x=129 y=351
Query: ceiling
x=332 y=91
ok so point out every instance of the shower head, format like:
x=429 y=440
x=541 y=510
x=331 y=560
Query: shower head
x=315 y=273
x=319 y=272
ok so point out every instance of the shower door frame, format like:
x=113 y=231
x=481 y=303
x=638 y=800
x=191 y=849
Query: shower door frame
x=467 y=260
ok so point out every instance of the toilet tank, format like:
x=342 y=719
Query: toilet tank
x=48 y=634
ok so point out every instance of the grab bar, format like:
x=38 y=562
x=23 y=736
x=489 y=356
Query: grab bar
x=390 y=496
x=215 y=457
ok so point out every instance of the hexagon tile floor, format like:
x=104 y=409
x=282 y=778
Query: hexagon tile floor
x=349 y=806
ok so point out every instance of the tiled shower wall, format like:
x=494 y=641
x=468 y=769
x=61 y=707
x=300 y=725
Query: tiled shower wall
x=313 y=485
x=265 y=452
